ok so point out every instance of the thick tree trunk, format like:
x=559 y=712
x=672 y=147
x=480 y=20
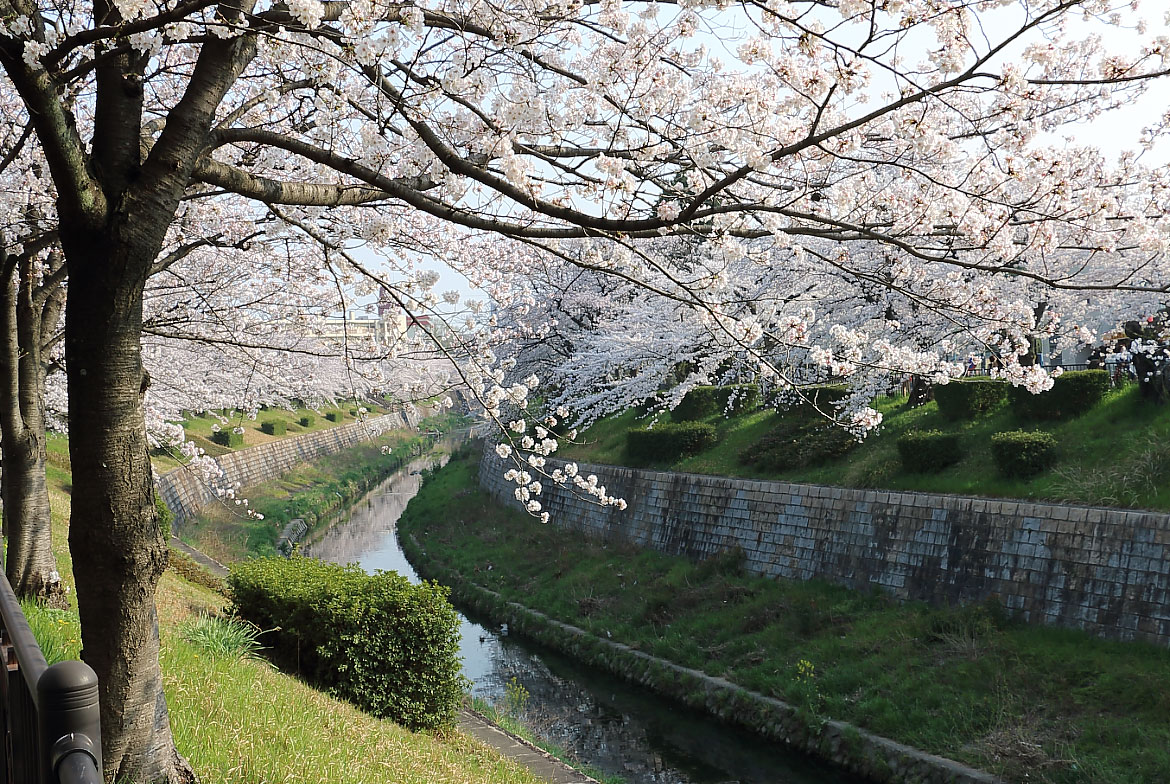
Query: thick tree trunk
x=119 y=551
x=29 y=564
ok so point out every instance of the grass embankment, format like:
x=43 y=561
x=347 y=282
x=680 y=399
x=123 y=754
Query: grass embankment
x=1117 y=454
x=313 y=491
x=1031 y=703
x=239 y=721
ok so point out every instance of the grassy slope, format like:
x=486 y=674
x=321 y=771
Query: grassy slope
x=1036 y=704
x=242 y=722
x=1117 y=454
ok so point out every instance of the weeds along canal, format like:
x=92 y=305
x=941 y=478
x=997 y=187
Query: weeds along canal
x=617 y=727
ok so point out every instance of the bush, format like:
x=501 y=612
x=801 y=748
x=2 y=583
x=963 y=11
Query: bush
x=229 y=438
x=306 y=420
x=802 y=436
x=699 y=403
x=1072 y=394
x=333 y=416
x=929 y=451
x=665 y=443
x=273 y=427
x=390 y=647
x=703 y=402
x=1021 y=454
x=965 y=400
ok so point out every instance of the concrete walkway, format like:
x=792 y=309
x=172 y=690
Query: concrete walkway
x=470 y=723
x=539 y=762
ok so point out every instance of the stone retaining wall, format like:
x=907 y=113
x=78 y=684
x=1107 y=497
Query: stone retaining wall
x=1103 y=570
x=185 y=492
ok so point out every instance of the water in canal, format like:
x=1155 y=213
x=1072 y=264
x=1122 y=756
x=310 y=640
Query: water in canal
x=616 y=726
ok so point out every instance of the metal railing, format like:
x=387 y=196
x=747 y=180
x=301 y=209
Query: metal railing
x=51 y=727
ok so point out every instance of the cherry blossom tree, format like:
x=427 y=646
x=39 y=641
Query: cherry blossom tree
x=909 y=124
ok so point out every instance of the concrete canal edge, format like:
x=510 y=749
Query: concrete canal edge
x=871 y=756
x=516 y=748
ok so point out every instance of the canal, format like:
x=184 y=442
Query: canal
x=618 y=727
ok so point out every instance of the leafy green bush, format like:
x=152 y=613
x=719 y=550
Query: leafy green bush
x=929 y=451
x=699 y=403
x=306 y=420
x=1022 y=454
x=965 y=400
x=802 y=436
x=333 y=416
x=703 y=402
x=390 y=647
x=273 y=427
x=228 y=438
x=666 y=442
x=1072 y=394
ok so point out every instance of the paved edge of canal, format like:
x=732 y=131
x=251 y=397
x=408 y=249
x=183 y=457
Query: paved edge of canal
x=469 y=722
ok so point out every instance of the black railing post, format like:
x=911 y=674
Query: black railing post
x=71 y=735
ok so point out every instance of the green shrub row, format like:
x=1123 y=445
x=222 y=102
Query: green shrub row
x=666 y=442
x=390 y=647
x=969 y=399
x=929 y=451
x=706 y=401
x=229 y=438
x=273 y=427
x=1072 y=394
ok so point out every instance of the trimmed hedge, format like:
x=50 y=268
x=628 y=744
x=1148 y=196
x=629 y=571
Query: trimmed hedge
x=666 y=442
x=229 y=438
x=390 y=647
x=333 y=416
x=1072 y=394
x=824 y=396
x=929 y=451
x=799 y=441
x=965 y=400
x=706 y=401
x=273 y=427
x=306 y=420
x=1021 y=454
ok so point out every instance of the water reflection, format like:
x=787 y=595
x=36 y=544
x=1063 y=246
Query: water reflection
x=618 y=727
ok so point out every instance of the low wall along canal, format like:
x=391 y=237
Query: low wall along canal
x=185 y=491
x=618 y=727
x=1103 y=570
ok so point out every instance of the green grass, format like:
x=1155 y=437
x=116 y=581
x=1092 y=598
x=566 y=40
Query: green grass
x=1116 y=454
x=1031 y=703
x=239 y=721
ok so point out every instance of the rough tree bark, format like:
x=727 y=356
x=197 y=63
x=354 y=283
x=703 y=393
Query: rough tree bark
x=30 y=311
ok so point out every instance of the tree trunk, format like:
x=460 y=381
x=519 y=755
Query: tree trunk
x=119 y=551
x=30 y=566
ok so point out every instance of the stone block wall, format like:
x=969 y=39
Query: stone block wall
x=1103 y=570
x=185 y=492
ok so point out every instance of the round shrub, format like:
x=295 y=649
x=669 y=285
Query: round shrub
x=929 y=451
x=1021 y=454
x=390 y=647
x=965 y=400
x=665 y=443
x=1072 y=394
